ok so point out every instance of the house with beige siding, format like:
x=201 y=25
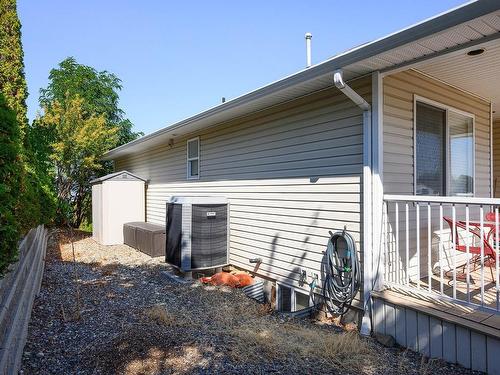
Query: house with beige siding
x=397 y=142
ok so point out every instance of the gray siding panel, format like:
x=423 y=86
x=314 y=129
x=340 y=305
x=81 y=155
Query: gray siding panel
x=390 y=320
x=412 y=330
x=400 y=325
x=449 y=342
x=423 y=334
x=378 y=316
x=290 y=173
x=463 y=346
x=478 y=352
x=436 y=338
x=493 y=353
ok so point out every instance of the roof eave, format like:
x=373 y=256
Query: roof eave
x=434 y=25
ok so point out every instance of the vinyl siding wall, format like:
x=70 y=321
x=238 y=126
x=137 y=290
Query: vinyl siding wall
x=399 y=91
x=291 y=174
x=496 y=158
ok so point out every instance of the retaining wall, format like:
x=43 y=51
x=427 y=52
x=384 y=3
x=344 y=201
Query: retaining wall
x=18 y=289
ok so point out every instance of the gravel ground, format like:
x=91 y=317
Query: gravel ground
x=112 y=310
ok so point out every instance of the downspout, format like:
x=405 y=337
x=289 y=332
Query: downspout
x=367 y=196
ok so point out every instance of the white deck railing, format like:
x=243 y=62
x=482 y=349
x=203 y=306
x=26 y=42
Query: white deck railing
x=422 y=254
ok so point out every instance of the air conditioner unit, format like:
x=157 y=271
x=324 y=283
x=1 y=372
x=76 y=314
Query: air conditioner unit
x=197 y=233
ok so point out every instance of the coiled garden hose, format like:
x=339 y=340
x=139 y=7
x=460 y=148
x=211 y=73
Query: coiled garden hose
x=342 y=273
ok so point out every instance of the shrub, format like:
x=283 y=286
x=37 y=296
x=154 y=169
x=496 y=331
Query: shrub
x=10 y=183
x=37 y=201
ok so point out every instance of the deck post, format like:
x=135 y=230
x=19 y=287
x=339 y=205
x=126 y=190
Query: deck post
x=377 y=180
x=373 y=197
x=366 y=326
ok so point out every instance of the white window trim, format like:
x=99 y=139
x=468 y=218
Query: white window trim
x=293 y=301
x=188 y=172
x=448 y=109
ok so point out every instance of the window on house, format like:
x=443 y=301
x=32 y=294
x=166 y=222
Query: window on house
x=290 y=299
x=444 y=151
x=193 y=158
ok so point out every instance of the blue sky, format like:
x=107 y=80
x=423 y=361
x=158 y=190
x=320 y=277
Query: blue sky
x=177 y=58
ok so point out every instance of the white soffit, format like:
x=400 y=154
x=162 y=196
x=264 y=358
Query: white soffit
x=486 y=27
x=479 y=74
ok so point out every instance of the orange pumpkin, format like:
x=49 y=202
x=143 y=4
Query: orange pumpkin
x=225 y=278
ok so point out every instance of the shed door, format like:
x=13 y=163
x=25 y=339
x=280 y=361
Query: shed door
x=97 y=212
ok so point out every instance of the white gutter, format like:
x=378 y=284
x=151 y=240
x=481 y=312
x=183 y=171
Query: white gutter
x=367 y=196
x=349 y=92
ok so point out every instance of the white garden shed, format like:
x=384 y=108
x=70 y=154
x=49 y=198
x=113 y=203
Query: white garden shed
x=117 y=198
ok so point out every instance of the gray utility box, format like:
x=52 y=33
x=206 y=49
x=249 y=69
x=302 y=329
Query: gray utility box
x=146 y=237
x=197 y=232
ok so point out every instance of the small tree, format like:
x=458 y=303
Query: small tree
x=12 y=81
x=79 y=139
x=99 y=91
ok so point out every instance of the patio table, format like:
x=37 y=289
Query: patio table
x=486 y=224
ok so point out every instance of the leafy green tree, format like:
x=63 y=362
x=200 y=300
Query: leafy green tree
x=11 y=169
x=77 y=98
x=99 y=91
x=79 y=138
x=12 y=81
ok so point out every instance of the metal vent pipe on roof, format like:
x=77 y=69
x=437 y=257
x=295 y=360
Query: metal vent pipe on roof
x=308 y=37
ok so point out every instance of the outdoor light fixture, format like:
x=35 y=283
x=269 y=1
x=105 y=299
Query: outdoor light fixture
x=475 y=52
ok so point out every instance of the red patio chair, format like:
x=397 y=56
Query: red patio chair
x=491 y=217
x=459 y=245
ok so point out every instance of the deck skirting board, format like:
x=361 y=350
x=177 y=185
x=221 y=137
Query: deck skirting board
x=435 y=336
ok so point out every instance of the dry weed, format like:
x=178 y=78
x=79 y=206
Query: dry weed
x=160 y=315
x=346 y=350
x=403 y=362
x=425 y=366
x=109 y=269
x=252 y=344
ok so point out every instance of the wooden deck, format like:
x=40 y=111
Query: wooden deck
x=470 y=294
x=484 y=321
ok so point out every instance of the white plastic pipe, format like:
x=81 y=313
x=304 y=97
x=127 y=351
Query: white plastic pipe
x=368 y=279
x=349 y=92
x=308 y=37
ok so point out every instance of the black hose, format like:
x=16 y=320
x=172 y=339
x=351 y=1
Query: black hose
x=342 y=273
